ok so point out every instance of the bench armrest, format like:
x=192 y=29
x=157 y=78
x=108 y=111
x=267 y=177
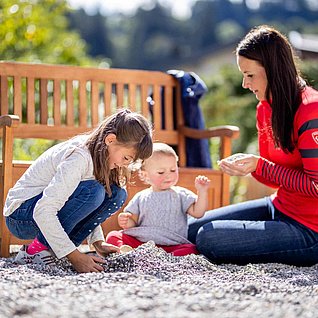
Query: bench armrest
x=218 y=131
x=9 y=120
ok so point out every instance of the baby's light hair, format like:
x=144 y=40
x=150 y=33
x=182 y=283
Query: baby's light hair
x=160 y=148
x=163 y=149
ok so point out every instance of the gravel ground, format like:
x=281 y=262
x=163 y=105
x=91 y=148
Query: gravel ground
x=148 y=282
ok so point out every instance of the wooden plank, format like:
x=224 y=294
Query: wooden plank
x=82 y=104
x=144 y=102
x=63 y=72
x=57 y=102
x=17 y=96
x=107 y=99
x=157 y=118
x=180 y=120
x=168 y=136
x=168 y=104
x=69 y=103
x=4 y=109
x=6 y=180
x=66 y=131
x=120 y=95
x=30 y=100
x=43 y=101
x=48 y=132
x=132 y=100
x=94 y=103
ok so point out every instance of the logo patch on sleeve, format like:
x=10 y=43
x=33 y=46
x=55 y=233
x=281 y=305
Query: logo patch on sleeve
x=315 y=136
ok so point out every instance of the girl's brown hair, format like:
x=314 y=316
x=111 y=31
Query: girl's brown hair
x=272 y=51
x=131 y=130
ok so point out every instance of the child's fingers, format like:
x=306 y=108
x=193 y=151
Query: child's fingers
x=98 y=259
x=202 y=180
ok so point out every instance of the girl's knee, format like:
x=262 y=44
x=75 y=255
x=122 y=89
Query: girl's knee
x=97 y=193
x=119 y=194
x=90 y=187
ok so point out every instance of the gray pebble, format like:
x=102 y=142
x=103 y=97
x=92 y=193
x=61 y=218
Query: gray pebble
x=148 y=282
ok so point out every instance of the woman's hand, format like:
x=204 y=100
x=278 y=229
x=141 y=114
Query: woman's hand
x=84 y=263
x=239 y=164
x=104 y=249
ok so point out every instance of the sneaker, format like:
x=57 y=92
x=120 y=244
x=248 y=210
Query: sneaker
x=44 y=257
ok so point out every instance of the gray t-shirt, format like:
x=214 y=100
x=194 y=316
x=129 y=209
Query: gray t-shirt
x=162 y=215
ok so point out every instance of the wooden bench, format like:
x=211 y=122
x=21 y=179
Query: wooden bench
x=56 y=102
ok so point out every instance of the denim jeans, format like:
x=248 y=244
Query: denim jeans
x=86 y=208
x=253 y=232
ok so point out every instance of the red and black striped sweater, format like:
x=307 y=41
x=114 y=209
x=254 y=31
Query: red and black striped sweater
x=295 y=174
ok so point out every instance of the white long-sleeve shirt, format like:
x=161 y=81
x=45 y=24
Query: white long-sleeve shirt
x=56 y=173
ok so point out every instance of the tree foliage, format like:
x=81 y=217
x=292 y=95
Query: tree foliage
x=93 y=29
x=37 y=31
x=154 y=38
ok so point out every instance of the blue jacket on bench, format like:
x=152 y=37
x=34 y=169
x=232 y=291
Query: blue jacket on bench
x=192 y=89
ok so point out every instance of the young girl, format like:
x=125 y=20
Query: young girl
x=159 y=213
x=72 y=188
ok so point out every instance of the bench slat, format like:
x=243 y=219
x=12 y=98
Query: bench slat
x=69 y=103
x=43 y=101
x=17 y=96
x=132 y=97
x=30 y=100
x=3 y=97
x=57 y=102
x=82 y=105
x=94 y=102
x=107 y=99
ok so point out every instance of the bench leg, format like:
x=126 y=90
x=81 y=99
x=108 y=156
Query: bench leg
x=6 y=182
x=5 y=240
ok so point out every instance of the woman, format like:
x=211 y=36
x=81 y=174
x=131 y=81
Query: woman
x=284 y=227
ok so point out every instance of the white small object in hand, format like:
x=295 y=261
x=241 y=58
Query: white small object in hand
x=235 y=157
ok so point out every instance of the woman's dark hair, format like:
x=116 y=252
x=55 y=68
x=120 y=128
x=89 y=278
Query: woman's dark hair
x=132 y=130
x=273 y=51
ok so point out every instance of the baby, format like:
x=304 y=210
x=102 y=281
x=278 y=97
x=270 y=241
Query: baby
x=159 y=213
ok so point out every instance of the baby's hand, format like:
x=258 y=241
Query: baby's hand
x=202 y=183
x=123 y=219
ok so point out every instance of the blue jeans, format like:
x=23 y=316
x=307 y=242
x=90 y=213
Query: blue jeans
x=253 y=232
x=86 y=208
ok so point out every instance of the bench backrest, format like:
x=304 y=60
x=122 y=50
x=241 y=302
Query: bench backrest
x=58 y=102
